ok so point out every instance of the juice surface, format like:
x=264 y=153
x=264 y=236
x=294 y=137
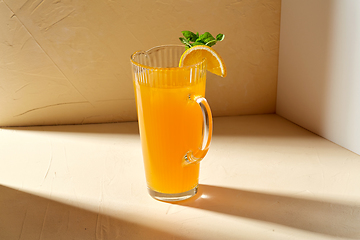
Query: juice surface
x=170 y=125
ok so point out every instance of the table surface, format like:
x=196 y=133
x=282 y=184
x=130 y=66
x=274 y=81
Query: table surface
x=263 y=178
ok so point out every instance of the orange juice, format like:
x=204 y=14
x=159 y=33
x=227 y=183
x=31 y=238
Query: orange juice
x=170 y=125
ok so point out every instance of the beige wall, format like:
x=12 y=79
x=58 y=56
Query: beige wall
x=319 y=68
x=67 y=62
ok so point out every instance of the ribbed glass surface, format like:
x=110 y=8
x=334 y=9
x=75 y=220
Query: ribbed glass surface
x=159 y=67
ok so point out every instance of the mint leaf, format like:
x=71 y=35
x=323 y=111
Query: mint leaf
x=209 y=40
x=211 y=43
x=185 y=41
x=197 y=43
x=206 y=37
x=190 y=35
x=220 y=37
x=200 y=41
x=191 y=39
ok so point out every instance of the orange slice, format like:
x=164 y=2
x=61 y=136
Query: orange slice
x=193 y=55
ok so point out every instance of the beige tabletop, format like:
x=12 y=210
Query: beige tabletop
x=263 y=178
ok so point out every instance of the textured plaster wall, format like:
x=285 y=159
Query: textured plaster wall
x=67 y=62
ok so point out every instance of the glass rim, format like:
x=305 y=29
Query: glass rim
x=163 y=68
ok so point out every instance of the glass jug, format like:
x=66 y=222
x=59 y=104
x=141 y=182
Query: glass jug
x=174 y=118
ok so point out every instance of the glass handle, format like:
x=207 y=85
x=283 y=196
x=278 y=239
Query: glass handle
x=199 y=154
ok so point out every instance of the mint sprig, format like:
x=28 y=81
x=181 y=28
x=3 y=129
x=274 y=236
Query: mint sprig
x=191 y=39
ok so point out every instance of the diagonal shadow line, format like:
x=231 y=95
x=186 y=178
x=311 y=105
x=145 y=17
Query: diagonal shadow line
x=27 y=216
x=319 y=216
